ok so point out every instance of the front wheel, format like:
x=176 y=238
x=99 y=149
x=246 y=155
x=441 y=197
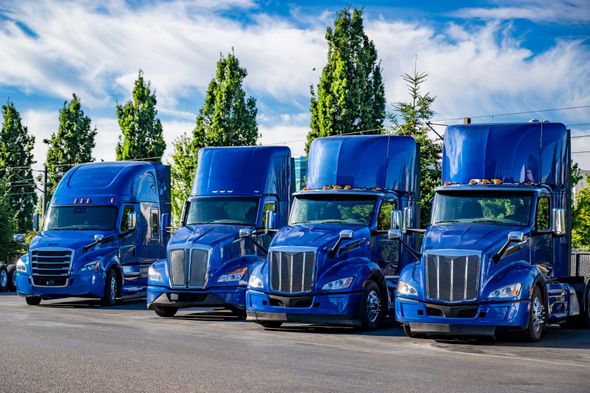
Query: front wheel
x=11 y=269
x=537 y=315
x=33 y=300
x=371 y=308
x=111 y=289
x=165 y=312
x=3 y=279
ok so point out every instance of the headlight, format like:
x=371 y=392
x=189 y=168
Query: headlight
x=404 y=288
x=154 y=275
x=255 y=282
x=507 y=291
x=91 y=266
x=342 y=283
x=20 y=266
x=234 y=275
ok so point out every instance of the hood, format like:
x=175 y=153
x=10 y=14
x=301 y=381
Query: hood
x=314 y=236
x=484 y=238
x=75 y=240
x=212 y=235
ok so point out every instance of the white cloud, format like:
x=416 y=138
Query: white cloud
x=549 y=11
x=96 y=52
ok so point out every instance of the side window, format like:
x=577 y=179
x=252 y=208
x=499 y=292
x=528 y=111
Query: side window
x=268 y=205
x=155 y=223
x=542 y=220
x=128 y=219
x=384 y=218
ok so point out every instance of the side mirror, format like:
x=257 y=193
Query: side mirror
x=407 y=219
x=394 y=234
x=559 y=222
x=245 y=232
x=98 y=237
x=19 y=237
x=36 y=222
x=516 y=237
x=164 y=222
x=184 y=212
x=270 y=220
x=346 y=234
x=396 y=219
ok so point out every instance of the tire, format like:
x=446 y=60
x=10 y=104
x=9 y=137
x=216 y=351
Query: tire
x=371 y=308
x=165 y=312
x=537 y=317
x=11 y=269
x=271 y=324
x=410 y=334
x=33 y=300
x=3 y=279
x=111 y=289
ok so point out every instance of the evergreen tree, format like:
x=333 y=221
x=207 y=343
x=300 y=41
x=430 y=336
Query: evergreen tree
x=8 y=248
x=227 y=118
x=16 y=158
x=581 y=220
x=71 y=144
x=350 y=95
x=141 y=131
x=415 y=115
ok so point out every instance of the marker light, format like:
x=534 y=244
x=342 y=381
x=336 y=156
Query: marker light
x=305 y=188
x=496 y=181
x=336 y=187
x=447 y=183
x=81 y=200
x=75 y=200
x=88 y=200
x=325 y=187
x=474 y=181
x=485 y=181
x=347 y=187
x=112 y=200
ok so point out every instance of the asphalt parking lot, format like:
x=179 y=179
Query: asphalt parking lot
x=70 y=346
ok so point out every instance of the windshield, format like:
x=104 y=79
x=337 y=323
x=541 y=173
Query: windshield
x=333 y=209
x=102 y=218
x=500 y=208
x=223 y=210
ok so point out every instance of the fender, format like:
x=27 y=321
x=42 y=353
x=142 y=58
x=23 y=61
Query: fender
x=114 y=262
x=519 y=271
x=361 y=268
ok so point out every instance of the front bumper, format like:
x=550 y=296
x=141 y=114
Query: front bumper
x=78 y=285
x=232 y=297
x=321 y=309
x=468 y=319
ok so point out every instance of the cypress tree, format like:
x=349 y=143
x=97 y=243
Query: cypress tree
x=350 y=96
x=141 y=131
x=16 y=159
x=71 y=144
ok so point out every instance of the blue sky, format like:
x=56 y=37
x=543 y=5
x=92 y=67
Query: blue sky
x=482 y=57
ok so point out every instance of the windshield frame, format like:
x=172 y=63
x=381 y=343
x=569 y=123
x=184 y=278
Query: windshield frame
x=336 y=196
x=487 y=193
x=192 y=200
x=112 y=228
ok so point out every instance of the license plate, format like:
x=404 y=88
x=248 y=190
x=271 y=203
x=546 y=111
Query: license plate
x=173 y=296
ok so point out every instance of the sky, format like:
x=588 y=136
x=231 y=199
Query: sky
x=484 y=59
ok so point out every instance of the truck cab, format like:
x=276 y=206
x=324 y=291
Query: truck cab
x=104 y=227
x=240 y=196
x=334 y=262
x=496 y=254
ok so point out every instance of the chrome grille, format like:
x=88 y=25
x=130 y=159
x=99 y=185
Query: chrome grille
x=189 y=268
x=452 y=278
x=51 y=267
x=292 y=272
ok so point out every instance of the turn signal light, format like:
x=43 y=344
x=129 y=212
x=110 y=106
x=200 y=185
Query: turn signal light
x=496 y=181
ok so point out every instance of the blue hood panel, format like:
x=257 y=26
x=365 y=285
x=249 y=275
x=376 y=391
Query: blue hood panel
x=314 y=236
x=209 y=235
x=481 y=237
x=66 y=239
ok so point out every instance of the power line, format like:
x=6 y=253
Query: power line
x=514 y=113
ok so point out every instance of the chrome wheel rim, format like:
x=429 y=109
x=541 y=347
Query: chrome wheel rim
x=538 y=311
x=113 y=288
x=373 y=306
x=3 y=278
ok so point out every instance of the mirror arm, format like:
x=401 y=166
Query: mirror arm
x=416 y=230
x=257 y=245
x=410 y=249
x=334 y=250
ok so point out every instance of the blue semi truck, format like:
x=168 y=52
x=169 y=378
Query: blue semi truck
x=334 y=262
x=105 y=225
x=239 y=196
x=496 y=256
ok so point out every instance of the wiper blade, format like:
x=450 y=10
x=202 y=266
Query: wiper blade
x=486 y=221
x=447 y=221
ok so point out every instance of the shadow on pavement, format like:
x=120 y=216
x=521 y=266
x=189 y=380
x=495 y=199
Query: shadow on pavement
x=136 y=304
x=215 y=315
x=389 y=328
